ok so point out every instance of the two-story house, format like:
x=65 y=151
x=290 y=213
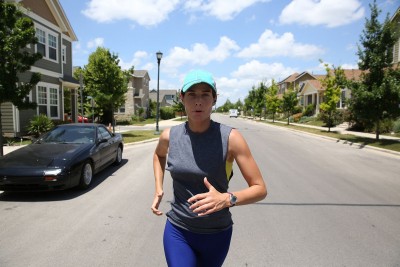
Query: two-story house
x=136 y=97
x=55 y=37
x=310 y=90
x=396 y=48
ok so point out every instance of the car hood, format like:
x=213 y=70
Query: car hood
x=42 y=155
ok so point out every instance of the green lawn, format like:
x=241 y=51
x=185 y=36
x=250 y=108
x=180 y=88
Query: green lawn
x=136 y=136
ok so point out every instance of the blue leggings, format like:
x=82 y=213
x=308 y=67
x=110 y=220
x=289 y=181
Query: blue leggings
x=187 y=249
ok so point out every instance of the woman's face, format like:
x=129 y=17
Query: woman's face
x=198 y=101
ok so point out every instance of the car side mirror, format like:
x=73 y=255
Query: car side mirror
x=103 y=140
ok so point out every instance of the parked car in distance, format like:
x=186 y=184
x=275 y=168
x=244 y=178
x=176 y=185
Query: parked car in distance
x=67 y=156
x=85 y=120
x=233 y=113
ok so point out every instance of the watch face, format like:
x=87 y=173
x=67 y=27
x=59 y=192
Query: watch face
x=233 y=199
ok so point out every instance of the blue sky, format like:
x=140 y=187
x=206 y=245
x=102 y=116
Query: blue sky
x=242 y=42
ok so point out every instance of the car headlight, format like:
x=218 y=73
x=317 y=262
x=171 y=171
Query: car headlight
x=51 y=175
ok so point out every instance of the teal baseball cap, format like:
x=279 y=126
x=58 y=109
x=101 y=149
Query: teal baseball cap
x=198 y=76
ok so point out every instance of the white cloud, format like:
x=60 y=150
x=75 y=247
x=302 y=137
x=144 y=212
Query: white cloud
x=248 y=75
x=97 y=42
x=200 y=54
x=221 y=9
x=146 y=13
x=136 y=61
x=272 y=45
x=331 y=13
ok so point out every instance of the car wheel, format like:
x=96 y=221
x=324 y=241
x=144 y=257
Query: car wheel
x=86 y=175
x=118 y=158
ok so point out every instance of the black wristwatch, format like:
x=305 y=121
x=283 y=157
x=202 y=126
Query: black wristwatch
x=232 y=199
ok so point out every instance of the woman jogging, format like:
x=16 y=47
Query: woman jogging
x=199 y=155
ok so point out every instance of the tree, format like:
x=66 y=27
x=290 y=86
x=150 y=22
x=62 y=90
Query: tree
x=332 y=85
x=255 y=101
x=377 y=96
x=178 y=105
x=16 y=32
x=272 y=100
x=289 y=102
x=106 y=82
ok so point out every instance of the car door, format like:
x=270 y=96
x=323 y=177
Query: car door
x=106 y=146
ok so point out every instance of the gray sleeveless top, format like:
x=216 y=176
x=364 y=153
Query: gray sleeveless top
x=191 y=157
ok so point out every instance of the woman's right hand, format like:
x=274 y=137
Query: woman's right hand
x=156 y=203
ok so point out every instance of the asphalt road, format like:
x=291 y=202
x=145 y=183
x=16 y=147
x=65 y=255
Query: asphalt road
x=329 y=204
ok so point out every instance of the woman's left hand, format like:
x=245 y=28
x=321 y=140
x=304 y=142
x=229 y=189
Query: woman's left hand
x=209 y=202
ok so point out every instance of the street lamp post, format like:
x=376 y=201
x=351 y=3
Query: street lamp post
x=159 y=56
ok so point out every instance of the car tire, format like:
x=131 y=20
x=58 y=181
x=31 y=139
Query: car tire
x=118 y=158
x=86 y=175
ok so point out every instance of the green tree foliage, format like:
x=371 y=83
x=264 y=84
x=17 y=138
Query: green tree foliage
x=178 y=105
x=332 y=83
x=289 y=103
x=255 y=101
x=377 y=96
x=272 y=100
x=106 y=82
x=16 y=32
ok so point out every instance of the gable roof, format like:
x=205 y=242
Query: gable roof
x=140 y=73
x=290 y=78
x=56 y=13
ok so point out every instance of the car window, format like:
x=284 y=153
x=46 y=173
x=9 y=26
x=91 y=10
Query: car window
x=69 y=135
x=104 y=133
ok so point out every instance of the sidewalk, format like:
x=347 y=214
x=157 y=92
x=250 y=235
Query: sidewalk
x=342 y=131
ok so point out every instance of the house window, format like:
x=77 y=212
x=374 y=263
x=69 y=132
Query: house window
x=122 y=109
x=41 y=45
x=64 y=54
x=47 y=43
x=52 y=47
x=48 y=100
x=343 y=99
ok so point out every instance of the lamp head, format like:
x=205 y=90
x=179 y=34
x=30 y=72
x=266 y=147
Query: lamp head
x=159 y=56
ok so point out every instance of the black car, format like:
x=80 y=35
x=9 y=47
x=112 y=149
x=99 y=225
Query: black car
x=67 y=156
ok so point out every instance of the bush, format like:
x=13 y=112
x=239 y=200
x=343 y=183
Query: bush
x=167 y=113
x=335 y=119
x=39 y=125
x=396 y=126
x=309 y=110
x=297 y=117
x=305 y=119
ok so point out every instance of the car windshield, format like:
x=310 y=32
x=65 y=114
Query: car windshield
x=79 y=135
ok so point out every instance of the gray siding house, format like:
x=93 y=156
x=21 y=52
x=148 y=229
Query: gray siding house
x=55 y=37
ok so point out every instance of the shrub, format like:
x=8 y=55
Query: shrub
x=335 y=119
x=39 y=125
x=396 y=126
x=167 y=113
x=309 y=110
x=297 y=117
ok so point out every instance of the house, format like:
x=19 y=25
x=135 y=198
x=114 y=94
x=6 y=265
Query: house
x=166 y=97
x=55 y=37
x=137 y=96
x=310 y=90
x=396 y=48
